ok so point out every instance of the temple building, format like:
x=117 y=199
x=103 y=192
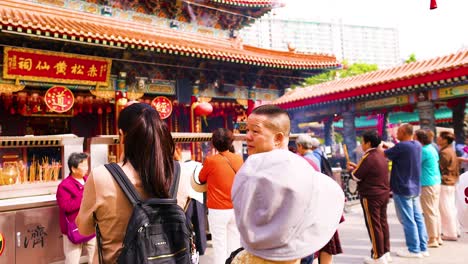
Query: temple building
x=426 y=93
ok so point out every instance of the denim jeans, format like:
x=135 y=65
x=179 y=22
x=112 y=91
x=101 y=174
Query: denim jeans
x=408 y=209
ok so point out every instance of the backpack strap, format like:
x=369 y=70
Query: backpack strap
x=128 y=188
x=99 y=240
x=124 y=183
x=175 y=181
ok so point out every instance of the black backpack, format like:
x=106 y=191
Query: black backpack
x=325 y=166
x=158 y=231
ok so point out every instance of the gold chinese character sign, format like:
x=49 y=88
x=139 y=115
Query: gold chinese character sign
x=163 y=105
x=59 y=99
x=38 y=65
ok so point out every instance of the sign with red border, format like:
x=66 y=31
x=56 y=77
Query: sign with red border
x=163 y=105
x=38 y=65
x=59 y=99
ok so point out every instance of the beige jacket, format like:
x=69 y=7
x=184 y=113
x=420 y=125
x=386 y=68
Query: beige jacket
x=103 y=196
x=448 y=163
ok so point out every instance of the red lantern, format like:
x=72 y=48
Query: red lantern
x=433 y=5
x=203 y=109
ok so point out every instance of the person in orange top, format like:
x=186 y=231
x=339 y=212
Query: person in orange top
x=218 y=173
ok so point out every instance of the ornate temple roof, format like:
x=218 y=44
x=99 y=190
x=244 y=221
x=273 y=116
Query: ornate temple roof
x=407 y=76
x=247 y=3
x=30 y=19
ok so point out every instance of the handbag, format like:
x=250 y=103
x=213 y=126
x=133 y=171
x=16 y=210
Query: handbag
x=74 y=236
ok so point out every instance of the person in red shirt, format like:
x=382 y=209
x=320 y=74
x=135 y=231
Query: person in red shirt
x=218 y=173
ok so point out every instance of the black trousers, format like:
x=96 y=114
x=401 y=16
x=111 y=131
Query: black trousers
x=375 y=215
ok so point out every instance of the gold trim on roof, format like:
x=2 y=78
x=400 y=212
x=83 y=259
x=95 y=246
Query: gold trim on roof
x=9 y=88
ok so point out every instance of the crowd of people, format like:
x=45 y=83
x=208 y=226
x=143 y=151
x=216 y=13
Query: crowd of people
x=422 y=183
x=276 y=206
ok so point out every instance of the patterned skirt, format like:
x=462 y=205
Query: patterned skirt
x=333 y=247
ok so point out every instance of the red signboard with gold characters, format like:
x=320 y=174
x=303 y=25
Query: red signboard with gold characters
x=59 y=99
x=163 y=105
x=38 y=65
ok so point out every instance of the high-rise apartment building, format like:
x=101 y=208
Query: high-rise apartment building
x=373 y=45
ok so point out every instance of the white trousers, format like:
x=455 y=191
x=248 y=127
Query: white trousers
x=73 y=251
x=224 y=233
x=448 y=211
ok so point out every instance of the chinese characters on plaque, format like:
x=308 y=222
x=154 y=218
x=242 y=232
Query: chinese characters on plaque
x=59 y=99
x=36 y=65
x=163 y=105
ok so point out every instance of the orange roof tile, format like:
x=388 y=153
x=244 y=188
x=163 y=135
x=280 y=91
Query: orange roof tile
x=410 y=74
x=246 y=3
x=28 y=18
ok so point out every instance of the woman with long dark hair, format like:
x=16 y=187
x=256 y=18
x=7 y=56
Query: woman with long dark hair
x=148 y=163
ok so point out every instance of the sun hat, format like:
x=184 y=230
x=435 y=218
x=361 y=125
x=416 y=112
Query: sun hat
x=284 y=209
x=194 y=181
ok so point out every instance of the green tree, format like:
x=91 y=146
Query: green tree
x=347 y=71
x=411 y=58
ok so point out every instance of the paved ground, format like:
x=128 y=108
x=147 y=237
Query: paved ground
x=356 y=244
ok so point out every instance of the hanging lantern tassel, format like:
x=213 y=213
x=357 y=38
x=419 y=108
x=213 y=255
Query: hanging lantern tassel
x=203 y=109
x=433 y=4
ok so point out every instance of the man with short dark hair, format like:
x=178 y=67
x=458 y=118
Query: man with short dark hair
x=371 y=173
x=406 y=158
x=285 y=210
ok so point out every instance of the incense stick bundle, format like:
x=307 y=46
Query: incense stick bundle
x=25 y=174
x=46 y=173
x=345 y=150
x=55 y=170
x=32 y=170
x=1 y=176
x=39 y=168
